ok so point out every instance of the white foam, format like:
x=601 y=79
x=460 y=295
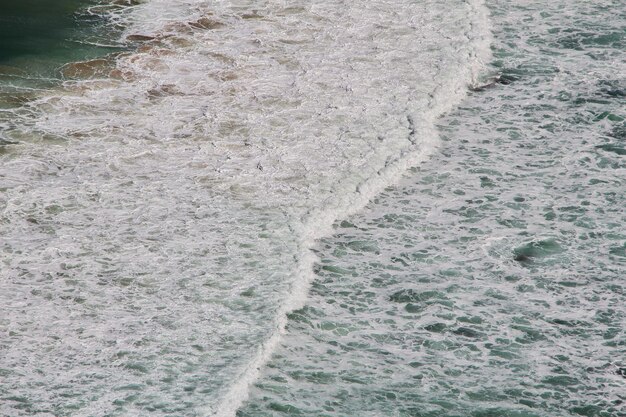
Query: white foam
x=319 y=222
x=231 y=121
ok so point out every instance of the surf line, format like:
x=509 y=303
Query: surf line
x=319 y=223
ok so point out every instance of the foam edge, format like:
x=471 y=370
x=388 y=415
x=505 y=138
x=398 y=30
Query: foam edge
x=319 y=223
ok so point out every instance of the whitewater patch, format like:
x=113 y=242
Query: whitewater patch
x=157 y=218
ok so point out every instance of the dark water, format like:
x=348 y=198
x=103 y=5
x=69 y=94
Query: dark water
x=36 y=27
x=37 y=37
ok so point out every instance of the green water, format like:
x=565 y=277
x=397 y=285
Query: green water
x=36 y=27
x=37 y=37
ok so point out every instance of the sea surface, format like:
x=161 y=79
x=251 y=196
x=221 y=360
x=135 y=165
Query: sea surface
x=375 y=208
x=38 y=37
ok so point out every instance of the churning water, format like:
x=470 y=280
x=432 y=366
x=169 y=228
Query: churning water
x=163 y=205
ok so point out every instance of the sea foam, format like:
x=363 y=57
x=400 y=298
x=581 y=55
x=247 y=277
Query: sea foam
x=162 y=217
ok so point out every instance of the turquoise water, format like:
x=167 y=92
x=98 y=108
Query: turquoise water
x=369 y=208
x=490 y=281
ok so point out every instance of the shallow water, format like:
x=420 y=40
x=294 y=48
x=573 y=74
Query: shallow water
x=490 y=280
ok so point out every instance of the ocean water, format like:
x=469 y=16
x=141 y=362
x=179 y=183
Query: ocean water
x=32 y=27
x=37 y=38
x=268 y=208
x=490 y=280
